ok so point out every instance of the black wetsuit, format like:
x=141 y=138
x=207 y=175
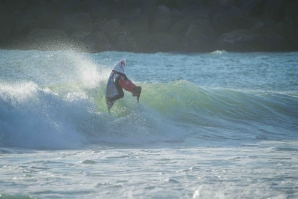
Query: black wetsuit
x=119 y=88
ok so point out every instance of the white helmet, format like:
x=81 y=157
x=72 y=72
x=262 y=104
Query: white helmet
x=120 y=66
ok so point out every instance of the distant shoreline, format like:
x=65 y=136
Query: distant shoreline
x=150 y=25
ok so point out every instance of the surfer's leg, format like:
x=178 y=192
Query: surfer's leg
x=119 y=88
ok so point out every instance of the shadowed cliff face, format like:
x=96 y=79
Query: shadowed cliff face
x=150 y=25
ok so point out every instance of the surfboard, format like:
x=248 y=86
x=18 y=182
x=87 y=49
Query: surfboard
x=111 y=91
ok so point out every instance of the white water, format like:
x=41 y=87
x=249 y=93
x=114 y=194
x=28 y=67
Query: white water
x=218 y=125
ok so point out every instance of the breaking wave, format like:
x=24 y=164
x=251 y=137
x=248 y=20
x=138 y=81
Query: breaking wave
x=73 y=115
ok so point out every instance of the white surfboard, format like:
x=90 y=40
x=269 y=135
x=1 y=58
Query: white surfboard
x=111 y=91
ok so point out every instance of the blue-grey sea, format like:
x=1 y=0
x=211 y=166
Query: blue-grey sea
x=217 y=125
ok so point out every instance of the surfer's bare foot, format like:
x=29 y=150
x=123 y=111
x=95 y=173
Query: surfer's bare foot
x=108 y=101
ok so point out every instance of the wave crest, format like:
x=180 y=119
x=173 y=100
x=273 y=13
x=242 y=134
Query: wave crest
x=59 y=117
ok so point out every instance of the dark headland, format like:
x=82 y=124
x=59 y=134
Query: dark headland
x=150 y=25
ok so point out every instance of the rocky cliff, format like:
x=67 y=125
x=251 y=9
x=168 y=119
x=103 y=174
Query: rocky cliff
x=150 y=25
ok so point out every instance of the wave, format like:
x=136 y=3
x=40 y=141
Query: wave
x=74 y=115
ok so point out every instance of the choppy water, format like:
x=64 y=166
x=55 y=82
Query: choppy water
x=212 y=125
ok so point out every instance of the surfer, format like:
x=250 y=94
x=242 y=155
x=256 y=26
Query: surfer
x=119 y=81
x=116 y=76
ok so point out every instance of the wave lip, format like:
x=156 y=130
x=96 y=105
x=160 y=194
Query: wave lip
x=34 y=117
x=71 y=119
x=247 y=114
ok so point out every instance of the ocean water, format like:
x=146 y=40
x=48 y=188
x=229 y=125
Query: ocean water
x=208 y=125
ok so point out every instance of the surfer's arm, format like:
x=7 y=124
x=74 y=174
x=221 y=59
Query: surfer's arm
x=123 y=75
